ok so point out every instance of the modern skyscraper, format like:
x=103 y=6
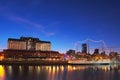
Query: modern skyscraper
x=96 y=51
x=84 y=48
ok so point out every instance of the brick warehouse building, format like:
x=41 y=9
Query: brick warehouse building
x=29 y=47
x=28 y=43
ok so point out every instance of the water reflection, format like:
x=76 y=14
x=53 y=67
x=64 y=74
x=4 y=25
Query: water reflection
x=2 y=73
x=68 y=72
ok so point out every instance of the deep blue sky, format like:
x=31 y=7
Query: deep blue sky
x=63 y=22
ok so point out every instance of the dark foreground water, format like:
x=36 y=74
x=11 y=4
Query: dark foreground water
x=74 y=72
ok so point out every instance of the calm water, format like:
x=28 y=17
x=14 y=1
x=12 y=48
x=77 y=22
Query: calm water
x=74 y=72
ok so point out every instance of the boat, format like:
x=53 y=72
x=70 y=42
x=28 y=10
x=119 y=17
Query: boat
x=89 y=62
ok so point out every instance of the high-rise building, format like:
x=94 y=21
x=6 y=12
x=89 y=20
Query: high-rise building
x=70 y=52
x=96 y=51
x=84 y=48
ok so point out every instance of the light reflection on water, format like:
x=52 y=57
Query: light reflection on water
x=62 y=72
x=2 y=73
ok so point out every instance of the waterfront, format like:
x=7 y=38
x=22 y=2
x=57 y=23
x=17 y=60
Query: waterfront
x=61 y=72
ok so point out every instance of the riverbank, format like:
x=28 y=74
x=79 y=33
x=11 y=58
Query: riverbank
x=34 y=62
x=45 y=62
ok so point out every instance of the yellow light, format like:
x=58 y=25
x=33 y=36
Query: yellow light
x=62 y=68
x=2 y=73
x=1 y=57
x=50 y=59
x=101 y=58
x=104 y=68
x=54 y=59
x=57 y=68
x=74 y=68
x=70 y=68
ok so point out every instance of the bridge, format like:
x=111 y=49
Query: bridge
x=99 y=44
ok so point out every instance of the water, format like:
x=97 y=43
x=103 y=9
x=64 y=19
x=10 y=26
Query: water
x=69 y=72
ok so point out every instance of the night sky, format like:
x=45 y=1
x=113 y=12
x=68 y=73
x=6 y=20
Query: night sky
x=63 y=22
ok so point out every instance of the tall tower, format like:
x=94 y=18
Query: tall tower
x=84 y=48
x=96 y=51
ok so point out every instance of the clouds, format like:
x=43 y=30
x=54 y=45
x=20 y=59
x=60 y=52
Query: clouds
x=26 y=21
x=39 y=27
x=48 y=34
x=21 y=11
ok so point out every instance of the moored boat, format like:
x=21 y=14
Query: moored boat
x=89 y=62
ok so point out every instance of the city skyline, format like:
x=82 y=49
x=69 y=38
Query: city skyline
x=63 y=22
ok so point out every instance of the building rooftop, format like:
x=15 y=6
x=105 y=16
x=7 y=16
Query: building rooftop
x=28 y=38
